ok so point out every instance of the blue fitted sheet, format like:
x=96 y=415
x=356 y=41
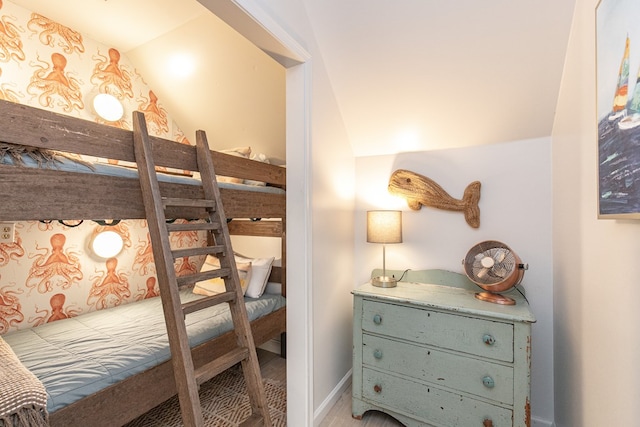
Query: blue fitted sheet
x=79 y=356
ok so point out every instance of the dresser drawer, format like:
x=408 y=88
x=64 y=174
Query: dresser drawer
x=480 y=337
x=486 y=379
x=430 y=404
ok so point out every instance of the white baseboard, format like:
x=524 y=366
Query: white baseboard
x=328 y=403
x=538 y=422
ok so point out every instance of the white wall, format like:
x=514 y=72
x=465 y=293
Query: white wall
x=332 y=209
x=515 y=208
x=244 y=93
x=596 y=268
x=331 y=205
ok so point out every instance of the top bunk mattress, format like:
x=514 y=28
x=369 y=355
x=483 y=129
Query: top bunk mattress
x=69 y=165
x=79 y=356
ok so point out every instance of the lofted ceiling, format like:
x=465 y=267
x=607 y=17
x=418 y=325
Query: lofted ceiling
x=408 y=75
x=414 y=75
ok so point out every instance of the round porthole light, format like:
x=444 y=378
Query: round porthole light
x=108 y=107
x=107 y=244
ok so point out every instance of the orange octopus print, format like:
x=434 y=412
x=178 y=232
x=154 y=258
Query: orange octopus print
x=154 y=114
x=58 y=268
x=149 y=291
x=68 y=39
x=10 y=309
x=143 y=261
x=57 y=308
x=40 y=226
x=9 y=251
x=111 y=77
x=6 y=93
x=10 y=43
x=181 y=138
x=58 y=311
x=51 y=83
x=184 y=239
x=184 y=267
x=109 y=288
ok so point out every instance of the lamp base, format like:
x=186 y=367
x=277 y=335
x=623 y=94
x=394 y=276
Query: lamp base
x=384 y=282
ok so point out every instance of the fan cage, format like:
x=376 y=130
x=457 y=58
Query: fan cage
x=506 y=263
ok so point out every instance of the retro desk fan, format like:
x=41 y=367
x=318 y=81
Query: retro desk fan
x=494 y=267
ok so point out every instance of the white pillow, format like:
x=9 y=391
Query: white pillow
x=216 y=285
x=239 y=151
x=260 y=271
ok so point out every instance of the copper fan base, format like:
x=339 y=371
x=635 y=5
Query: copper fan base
x=495 y=298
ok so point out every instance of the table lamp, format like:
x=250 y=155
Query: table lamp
x=384 y=227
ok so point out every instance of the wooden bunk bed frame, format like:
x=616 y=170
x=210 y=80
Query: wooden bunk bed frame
x=87 y=196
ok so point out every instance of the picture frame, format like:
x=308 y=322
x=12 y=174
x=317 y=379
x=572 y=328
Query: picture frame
x=618 y=108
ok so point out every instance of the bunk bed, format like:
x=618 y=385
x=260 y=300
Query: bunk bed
x=66 y=192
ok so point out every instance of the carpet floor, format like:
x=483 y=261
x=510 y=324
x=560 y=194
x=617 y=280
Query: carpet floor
x=224 y=401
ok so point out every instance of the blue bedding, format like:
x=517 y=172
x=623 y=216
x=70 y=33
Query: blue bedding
x=78 y=356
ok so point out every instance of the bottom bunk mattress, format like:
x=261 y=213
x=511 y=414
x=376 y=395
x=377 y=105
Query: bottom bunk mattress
x=79 y=356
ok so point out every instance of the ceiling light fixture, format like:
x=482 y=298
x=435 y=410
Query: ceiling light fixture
x=107 y=244
x=108 y=107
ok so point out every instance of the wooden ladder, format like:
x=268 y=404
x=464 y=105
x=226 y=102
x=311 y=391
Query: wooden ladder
x=187 y=377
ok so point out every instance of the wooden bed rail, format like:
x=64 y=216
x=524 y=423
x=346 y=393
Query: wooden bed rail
x=25 y=125
x=39 y=193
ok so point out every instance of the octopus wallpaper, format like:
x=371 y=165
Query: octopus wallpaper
x=49 y=271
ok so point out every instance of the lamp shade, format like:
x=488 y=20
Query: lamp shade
x=384 y=226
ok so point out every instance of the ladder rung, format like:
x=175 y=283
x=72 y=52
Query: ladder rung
x=224 y=362
x=190 y=279
x=191 y=203
x=208 y=301
x=205 y=250
x=193 y=226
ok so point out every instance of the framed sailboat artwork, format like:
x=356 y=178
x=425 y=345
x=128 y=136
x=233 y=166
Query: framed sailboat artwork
x=618 y=108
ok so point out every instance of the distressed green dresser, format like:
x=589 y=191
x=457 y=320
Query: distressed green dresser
x=433 y=355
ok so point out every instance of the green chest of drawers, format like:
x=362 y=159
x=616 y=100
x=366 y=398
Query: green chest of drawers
x=433 y=355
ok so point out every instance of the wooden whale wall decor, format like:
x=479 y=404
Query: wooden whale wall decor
x=420 y=190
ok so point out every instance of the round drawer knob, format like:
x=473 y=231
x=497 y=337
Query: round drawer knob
x=377 y=354
x=488 y=382
x=488 y=339
x=487 y=423
x=377 y=388
x=377 y=319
